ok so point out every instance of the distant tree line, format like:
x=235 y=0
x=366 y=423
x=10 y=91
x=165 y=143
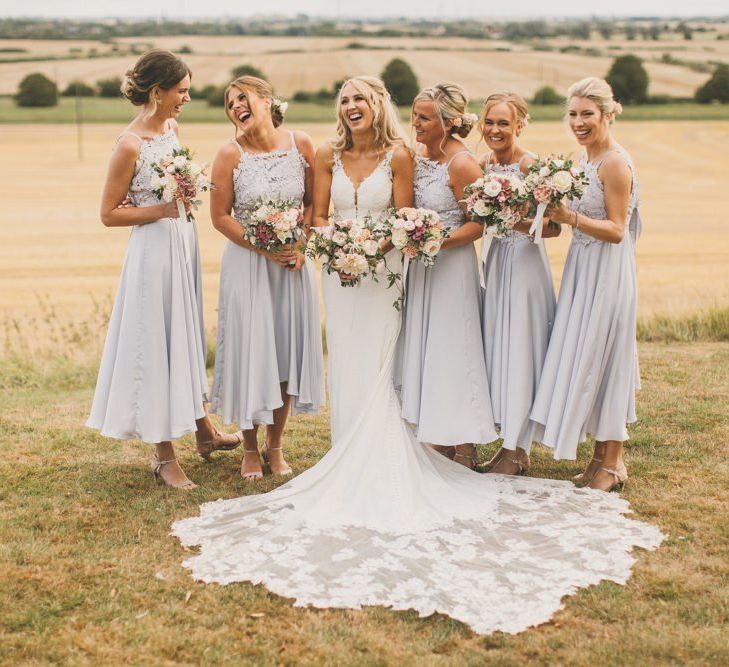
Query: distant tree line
x=627 y=76
x=303 y=25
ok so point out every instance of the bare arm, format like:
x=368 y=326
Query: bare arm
x=617 y=181
x=403 y=169
x=463 y=171
x=221 y=204
x=116 y=187
x=306 y=148
x=323 y=162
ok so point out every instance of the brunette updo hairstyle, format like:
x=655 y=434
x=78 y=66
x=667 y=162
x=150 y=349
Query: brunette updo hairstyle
x=262 y=89
x=599 y=91
x=451 y=103
x=157 y=67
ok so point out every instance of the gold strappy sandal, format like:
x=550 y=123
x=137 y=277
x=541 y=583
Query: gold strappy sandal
x=156 y=465
x=285 y=472
x=206 y=447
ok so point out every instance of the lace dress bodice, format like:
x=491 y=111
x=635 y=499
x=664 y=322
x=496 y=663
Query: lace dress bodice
x=433 y=192
x=150 y=151
x=592 y=202
x=512 y=169
x=371 y=198
x=278 y=175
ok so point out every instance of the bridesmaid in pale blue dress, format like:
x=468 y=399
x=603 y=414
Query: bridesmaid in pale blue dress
x=152 y=380
x=269 y=359
x=440 y=369
x=591 y=370
x=518 y=296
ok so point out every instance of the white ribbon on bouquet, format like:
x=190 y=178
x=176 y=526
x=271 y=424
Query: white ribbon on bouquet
x=182 y=216
x=536 y=228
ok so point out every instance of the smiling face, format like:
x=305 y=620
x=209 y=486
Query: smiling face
x=246 y=109
x=500 y=128
x=587 y=121
x=171 y=100
x=354 y=109
x=426 y=122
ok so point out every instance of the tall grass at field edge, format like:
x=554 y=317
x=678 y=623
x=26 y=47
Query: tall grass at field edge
x=711 y=325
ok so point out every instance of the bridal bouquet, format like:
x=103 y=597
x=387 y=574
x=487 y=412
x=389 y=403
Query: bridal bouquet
x=349 y=247
x=272 y=224
x=417 y=233
x=496 y=200
x=548 y=181
x=178 y=178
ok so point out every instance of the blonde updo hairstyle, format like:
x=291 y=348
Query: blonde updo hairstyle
x=599 y=91
x=451 y=103
x=385 y=121
x=262 y=89
x=157 y=68
x=515 y=102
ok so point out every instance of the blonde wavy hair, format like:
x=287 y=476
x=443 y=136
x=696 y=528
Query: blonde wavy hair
x=385 y=121
x=451 y=103
x=259 y=87
x=599 y=91
x=515 y=102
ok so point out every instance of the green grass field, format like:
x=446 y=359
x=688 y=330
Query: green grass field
x=105 y=110
x=90 y=575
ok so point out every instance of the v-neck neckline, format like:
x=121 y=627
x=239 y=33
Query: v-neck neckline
x=357 y=187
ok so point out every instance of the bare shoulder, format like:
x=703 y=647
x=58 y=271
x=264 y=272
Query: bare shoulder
x=227 y=155
x=126 y=148
x=324 y=155
x=303 y=141
x=464 y=165
x=616 y=168
x=401 y=156
x=527 y=160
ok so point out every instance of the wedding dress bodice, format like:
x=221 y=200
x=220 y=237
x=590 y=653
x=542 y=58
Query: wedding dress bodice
x=371 y=198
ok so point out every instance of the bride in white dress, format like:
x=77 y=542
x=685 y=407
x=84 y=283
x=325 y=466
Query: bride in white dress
x=382 y=519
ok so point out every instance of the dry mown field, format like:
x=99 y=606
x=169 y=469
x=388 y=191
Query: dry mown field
x=53 y=245
x=477 y=65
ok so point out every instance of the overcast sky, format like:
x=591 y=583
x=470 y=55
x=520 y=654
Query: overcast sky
x=369 y=8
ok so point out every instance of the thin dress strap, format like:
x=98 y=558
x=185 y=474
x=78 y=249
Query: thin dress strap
x=294 y=147
x=526 y=155
x=387 y=159
x=238 y=146
x=453 y=157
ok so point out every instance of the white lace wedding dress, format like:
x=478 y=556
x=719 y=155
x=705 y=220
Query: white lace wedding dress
x=383 y=520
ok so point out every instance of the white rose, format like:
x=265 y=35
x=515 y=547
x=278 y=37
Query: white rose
x=544 y=172
x=562 y=181
x=340 y=238
x=491 y=188
x=575 y=171
x=481 y=209
x=324 y=258
x=431 y=247
x=370 y=247
x=195 y=169
x=409 y=225
x=157 y=181
x=400 y=238
x=170 y=169
x=436 y=232
x=558 y=163
x=179 y=161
